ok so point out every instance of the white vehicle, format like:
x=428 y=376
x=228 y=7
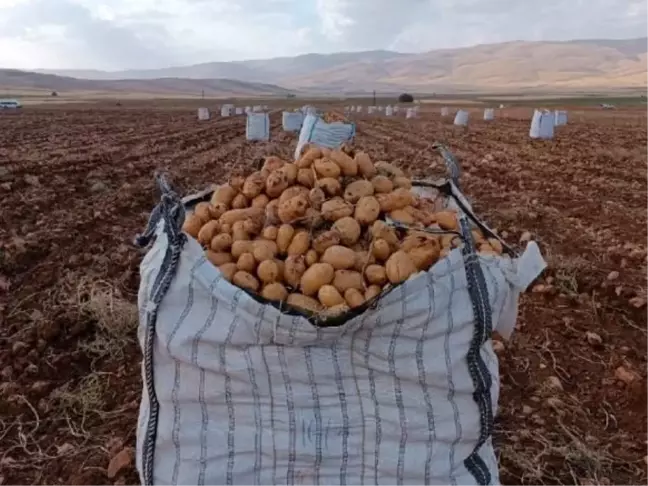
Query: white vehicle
x=10 y=104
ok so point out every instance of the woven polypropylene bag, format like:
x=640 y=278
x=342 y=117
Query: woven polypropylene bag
x=237 y=392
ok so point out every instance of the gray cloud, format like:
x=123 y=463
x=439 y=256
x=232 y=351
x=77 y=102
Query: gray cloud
x=114 y=34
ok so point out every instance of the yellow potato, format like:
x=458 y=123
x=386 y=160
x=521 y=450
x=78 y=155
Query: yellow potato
x=329 y=296
x=234 y=215
x=349 y=230
x=372 y=291
x=382 y=230
x=241 y=246
x=216 y=210
x=304 y=302
x=357 y=189
x=275 y=291
x=365 y=166
x=268 y=271
x=224 y=194
x=293 y=209
x=311 y=257
x=327 y=168
x=399 y=267
x=348 y=279
x=192 y=225
x=330 y=186
x=380 y=249
x=363 y=258
x=306 y=177
x=203 y=211
x=404 y=182
x=219 y=258
x=294 y=268
x=354 y=298
x=239 y=202
x=425 y=255
x=316 y=197
x=367 y=210
x=376 y=275
x=264 y=250
x=315 y=276
x=207 y=232
x=293 y=191
x=339 y=257
x=245 y=280
x=284 y=237
x=326 y=240
x=382 y=184
x=397 y=199
x=291 y=171
x=389 y=170
x=271 y=164
x=309 y=157
x=336 y=208
x=261 y=201
x=254 y=185
x=222 y=242
x=402 y=216
x=246 y=262
x=270 y=233
x=347 y=165
x=272 y=212
x=276 y=183
x=228 y=270
x=496 y=245
x=447 y=220
x=335 y=310
x=300 y=243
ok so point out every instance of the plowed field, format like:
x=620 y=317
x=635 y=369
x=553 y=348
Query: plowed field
x=76 y=185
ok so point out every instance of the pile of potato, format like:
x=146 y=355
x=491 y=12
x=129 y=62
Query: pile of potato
x=313 y=233
x=334 y=116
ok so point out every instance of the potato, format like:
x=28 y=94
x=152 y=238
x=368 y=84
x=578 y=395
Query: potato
x=241 y=246
x=311 y=257
x=216 y=210
x=339 y=257
x=397 y=199
x=326 y=240
x=272 y=212
x=415 y=239
x=293 y=191
x=224 y=194
x=276 y=183
x=349 y=230
x=275 y=291
x=496 y=245
x=208 y=231
x=228 y=270
x=358 y=189
x=402 y=216
x=336 y=208
x=372 y=291
x=254 y=185
x=426 y=254
x=477 y=236
x=203 y=211
x=399 y=267
x=362 y=259
x=237 y=182
x=284 y=237
x=447 y=220
x=303 y=302
x=306 y=177
x=329 y=296
x=192 y=225
x=294 y=268
x=270 y=233
x=268 y=271
x=226 y=228
x=367 y=210
x=253 y=226
x=300 y=243
x=348 y=279
x=424 y=217
x=261 y=201
x=365 y=166
x=309 y=157
x=354 y=298
x=281 y=265
x=376 y=275
x=312 y=219
x=239 y=202
x=246 y=262
x=380 y=249
x=347 y=165
x=404 y=182
x=222 y=242
x=450 y=241
x=245 y=280
x=315 y=276
x=234 y=215
x=271 y=164
x=316 y=197
x=389 y=170
x=382 y=184
x=293 y=209
x=291 y=172
x=327 y=168
x=335 y=310
x=264 y=250
x=218 y=258
x=238 y=231
x=382 y=230
x=330 y=186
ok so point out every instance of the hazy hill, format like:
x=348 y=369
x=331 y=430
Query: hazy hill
x=578 y=64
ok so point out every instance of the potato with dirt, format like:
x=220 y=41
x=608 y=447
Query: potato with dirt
x=315 y=276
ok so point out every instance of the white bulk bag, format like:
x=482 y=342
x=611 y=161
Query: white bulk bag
x=389 y=111
x=257 y=126
x=227 y=110
x=203 y=113
x=239 y=110
x=351 y=109
x=317 y=131
x=461 y=118
x=489 y=114
x=445 y=111
x=359 y=109
x=235 y=392
x=248 y=109
x=380 y=108
x=257 y=109
x=410 y=113
x=501 y=106
x=396 y=109
x=542 y=125
x=291 y=121
x=371 y=110
x=560 y=118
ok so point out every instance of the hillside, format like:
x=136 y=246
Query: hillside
x=14 y=79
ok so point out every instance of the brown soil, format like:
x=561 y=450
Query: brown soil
x=76 y=185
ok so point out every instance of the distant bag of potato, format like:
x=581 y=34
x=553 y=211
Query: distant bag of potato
x=240 y=391
x=292 y=121
x=257 y=127
x=316 y=131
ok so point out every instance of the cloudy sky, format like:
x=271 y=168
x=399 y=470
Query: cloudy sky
x=120 y=34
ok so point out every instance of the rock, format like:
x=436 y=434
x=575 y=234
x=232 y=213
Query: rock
x=39 y=387
x=624 y=375
x=98 y=187
x=31 y=369
x=6 y=373
x=6 y=186
x=593 y=338
x=526 y=236
x=526 y=410
x=32 y=180
x=553 y=383
x=498 y=346
x=64 y=449
x=119 y=462
x=613 y=275
x=18 y=347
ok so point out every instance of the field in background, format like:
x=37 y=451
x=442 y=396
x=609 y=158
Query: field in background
x=76 y=184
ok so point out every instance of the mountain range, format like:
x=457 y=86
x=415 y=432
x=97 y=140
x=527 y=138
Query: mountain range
x=596 y=64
